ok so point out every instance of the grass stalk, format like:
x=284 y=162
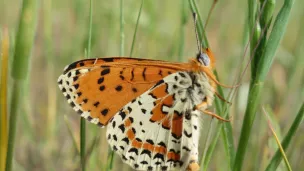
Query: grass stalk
x=24 y=42
x=3 y=97
x=77 y=149
x=135 y=31
x=51 y=89
x=122 y=33
x=121 y=53
x=82 y=120
x=257 y=82
x=184 y=17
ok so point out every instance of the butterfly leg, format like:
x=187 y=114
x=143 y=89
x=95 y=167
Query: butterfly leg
x=193 y=166
x=203 y=106
x=209 y=73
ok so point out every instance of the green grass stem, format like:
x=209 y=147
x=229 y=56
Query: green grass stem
x=82 y=120
x=23 y=48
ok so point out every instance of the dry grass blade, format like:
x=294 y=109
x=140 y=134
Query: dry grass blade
x=3 y=97
x=277 y=140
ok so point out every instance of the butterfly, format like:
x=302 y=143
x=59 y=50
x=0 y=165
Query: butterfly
x=151 y=108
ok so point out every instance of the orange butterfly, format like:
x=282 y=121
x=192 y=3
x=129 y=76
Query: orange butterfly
x=151 y=108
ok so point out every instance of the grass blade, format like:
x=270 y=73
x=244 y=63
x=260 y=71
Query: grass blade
x=276 y=159
x=24 y=42
x=3 y=97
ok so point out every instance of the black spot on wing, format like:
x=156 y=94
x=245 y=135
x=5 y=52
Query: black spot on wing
x=100 y=124
x=105 y=71
x=158 y=83
x=104 y=112
x=175 y=136
x=143 y=111
x=76 y=86
x=144 y=162
x=182 y=74
x=96 y=104
x=144 y=74
x=138 y=139
x=189 y=135
x=146 y=152
x=150 y=141
x=132 y=74
x=122 y=128
x=75 y=78
x=186 y=148
x=69 y=74
x=162 y=144
x=100 y=80
x=118 y=88
x=122 y=114
x=108 y=59
x=115 y=137
x=134 y=90
x=101 y=88
x=126 y=139
x=133 y=150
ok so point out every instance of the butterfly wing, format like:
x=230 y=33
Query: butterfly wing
x=159 y=129
x=98 y=88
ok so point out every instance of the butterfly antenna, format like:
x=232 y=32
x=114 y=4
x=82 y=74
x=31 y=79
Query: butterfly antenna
x=196 y=33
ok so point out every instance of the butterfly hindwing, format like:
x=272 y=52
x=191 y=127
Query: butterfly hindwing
x=155 y=131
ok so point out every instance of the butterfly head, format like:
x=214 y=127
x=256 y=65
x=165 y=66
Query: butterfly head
x=205 y=57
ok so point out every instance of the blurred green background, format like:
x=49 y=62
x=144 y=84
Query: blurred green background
x=43 y=140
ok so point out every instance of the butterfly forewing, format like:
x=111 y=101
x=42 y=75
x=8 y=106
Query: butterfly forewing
x=98 y=88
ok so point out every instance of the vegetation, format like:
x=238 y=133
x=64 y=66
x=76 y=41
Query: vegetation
x=39 y=131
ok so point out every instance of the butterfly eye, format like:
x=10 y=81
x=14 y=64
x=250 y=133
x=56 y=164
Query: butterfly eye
x=203 y=58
